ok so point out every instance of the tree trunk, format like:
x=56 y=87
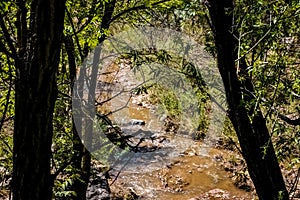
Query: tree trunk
x=253 y=134
x=35 y=96
x=82 y=157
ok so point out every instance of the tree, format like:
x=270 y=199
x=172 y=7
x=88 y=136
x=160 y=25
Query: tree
x=31 y=35
x=82 y=158
x=36 y=55
x=85 y=29
x=249 y=124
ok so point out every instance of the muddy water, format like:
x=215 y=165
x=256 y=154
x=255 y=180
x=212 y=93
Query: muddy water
x=192 y=172
x=187 y=177
x=180 y=169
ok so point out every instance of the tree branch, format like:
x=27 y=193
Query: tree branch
x=7 y=38
x=76 y=37
x=134 y=9
x=22 y=30
x=257 y=43
x=6 y=106
x=294 y=122
x=89 y=18
x=4 y=50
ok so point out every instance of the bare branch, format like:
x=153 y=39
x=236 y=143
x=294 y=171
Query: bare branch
x=295 y=94
x=75 y=34
x=257 y=43
x=294 y=186
x=7 y=37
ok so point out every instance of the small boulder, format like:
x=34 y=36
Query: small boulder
x=137 y=122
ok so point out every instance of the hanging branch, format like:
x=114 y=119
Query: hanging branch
x=134 y=9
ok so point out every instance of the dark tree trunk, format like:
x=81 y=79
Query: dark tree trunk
x=82 y=157
x=78 y=186
x=253 y=134
x=35 y=95
x=88 y=127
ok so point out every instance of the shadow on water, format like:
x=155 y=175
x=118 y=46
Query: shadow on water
x=186 y=177
x=178 y=167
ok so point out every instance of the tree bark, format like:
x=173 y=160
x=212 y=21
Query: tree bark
x=252 y=133
x=35 y=96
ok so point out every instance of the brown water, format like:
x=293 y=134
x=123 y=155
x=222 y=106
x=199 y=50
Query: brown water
x=181 y=169
x=184 y=177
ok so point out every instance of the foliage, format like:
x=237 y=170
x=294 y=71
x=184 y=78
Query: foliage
x=62 y=186
x=174 y=94
x=7 y=77
x=268 y=37
x=267 y=33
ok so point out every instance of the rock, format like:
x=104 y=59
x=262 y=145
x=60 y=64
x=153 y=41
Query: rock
x=137 y=122
x=215 y=194
x=98 y=188
x=121 y=192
